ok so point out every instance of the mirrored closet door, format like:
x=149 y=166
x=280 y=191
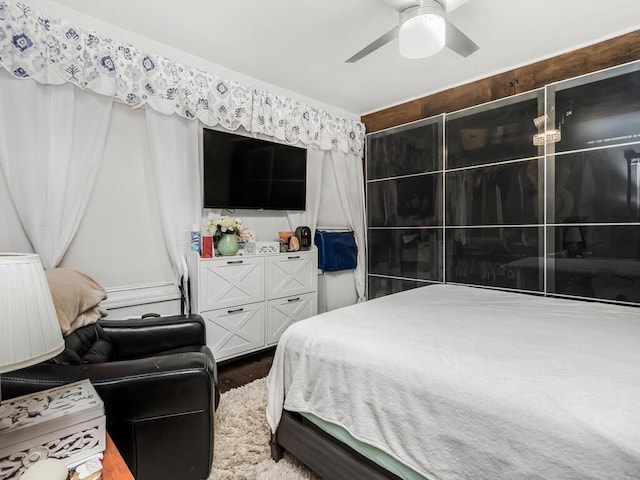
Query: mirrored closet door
x=538 y=192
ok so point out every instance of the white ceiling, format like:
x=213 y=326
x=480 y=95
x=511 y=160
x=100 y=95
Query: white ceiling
x=301 y=45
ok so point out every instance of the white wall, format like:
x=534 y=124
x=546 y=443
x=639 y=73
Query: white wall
x=265 y=224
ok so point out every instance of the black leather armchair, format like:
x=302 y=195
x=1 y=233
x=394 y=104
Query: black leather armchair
x=159 y=385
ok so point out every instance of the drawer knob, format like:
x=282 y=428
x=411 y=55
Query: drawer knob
x=235 y=311
x=295 y=257
x=230 y=262
x=293 y=299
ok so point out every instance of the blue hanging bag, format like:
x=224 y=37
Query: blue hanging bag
x=336 y=250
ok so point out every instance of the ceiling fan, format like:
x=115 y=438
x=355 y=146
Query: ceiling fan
x=423 y=30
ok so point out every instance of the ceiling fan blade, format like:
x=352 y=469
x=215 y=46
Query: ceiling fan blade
x=448 y=5
x=458 y=41
x=400 y=5
x=376 y=44
x=451 y=5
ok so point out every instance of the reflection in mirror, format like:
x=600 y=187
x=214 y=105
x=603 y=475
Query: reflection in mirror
x=405 y=151
x=381 y=286
x=508 y=257
x=410 y=201
x=408 y=253
x=595 y=261
x=493 y=132
x=507 y=194
x=599 y=113
x=597 y=186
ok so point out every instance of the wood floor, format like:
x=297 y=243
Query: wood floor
x=236 y=373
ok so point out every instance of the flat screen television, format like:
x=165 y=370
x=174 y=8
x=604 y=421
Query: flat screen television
x=245 y=172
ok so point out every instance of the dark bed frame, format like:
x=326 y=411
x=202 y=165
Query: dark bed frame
x=323 y=454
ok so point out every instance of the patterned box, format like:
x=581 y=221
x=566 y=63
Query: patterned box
x=66 y=423
x=262 y=248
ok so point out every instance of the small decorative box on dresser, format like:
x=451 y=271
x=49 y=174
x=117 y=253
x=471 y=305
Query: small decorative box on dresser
x=248 y=301
x=67 y=423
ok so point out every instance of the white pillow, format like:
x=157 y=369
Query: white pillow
x=76 y=297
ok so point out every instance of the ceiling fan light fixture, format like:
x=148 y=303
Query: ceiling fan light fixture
x=422 y=31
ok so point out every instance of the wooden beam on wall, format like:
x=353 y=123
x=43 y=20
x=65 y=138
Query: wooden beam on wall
x=616 y=51
x=392 y=116
x=610 y=53
x=481 y=91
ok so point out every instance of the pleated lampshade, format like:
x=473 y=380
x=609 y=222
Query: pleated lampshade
x=29 y=329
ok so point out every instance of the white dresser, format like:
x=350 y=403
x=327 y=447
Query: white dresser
x=247 y=301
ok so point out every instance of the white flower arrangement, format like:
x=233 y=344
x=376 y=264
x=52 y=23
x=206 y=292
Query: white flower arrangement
x=225 y=224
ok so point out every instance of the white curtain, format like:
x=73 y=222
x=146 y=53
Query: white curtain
x=315 y=162
x=348 y=170
x=173 y=143
x=13 y=238
x=51 y=144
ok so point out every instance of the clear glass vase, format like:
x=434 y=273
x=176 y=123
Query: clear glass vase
x=228 y=244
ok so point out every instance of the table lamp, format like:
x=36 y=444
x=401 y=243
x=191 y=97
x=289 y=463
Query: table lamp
x=29 y=329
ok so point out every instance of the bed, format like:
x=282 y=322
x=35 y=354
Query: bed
x=448 y=382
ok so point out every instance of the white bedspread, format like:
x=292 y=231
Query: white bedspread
x=466 y=383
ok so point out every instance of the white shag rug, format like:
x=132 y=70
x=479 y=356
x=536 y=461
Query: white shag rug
x=241 y=447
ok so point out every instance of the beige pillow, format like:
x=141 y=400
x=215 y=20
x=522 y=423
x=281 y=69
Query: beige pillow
x=76 y=297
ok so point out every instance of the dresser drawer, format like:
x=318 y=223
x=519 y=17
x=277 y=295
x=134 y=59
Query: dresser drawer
x=225 y=282
x=283 y=312
x=235 y=330
x=291 y=274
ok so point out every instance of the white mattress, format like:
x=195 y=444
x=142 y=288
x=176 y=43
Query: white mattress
x=466 y=383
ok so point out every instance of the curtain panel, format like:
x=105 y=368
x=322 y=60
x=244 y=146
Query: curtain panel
x=173 y=144
x=349 y=176
x=51 y=145
x=53 y=51
x=315 y=163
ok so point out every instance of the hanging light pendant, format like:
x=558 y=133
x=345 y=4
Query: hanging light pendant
x=422 y=30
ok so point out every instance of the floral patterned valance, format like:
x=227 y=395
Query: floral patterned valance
x=53 y=51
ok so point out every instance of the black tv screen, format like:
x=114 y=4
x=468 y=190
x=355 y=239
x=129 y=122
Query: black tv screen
x=244 y=172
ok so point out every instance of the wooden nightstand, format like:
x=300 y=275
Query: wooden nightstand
x=113 y=466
